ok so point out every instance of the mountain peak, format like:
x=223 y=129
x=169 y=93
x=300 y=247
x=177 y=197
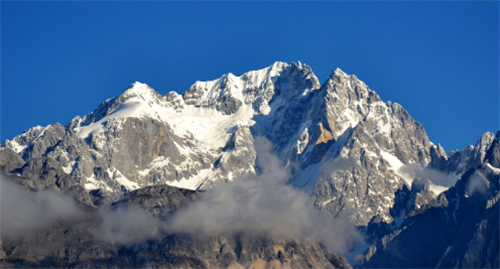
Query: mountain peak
x=493 y=154
x=487 y=136
x=279 y=65
x=138 y=89
x=339 y=73
x=230 y=75
x=337 y=76
x=229 y=92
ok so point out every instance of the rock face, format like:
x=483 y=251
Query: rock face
x=159 y=200
x=46 y=174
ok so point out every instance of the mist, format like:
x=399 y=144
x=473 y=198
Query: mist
x=23 y=213
x=263 y=204
x=477 y=183
x=415 y=170
x=127 y=225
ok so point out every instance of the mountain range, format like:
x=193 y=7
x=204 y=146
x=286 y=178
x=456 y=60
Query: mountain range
x=353 y=156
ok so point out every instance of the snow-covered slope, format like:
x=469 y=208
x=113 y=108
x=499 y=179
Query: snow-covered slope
x=207 y=127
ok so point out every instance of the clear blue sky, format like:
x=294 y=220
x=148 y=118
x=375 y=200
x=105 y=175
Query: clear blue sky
x=440 y=60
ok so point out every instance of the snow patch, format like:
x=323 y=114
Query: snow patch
x=91 y=184
x=303 y=141
x=157 y=163
x=194 y=182
x=121 y=179
x=396 y=165
x=495 y=170
x=16 y=147
x=68 y=169
x=327 y=202
x=437 y=189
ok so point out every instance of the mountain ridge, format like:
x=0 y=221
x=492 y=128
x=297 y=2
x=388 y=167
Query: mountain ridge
x=142 y=138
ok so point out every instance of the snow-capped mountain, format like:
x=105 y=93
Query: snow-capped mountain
x=345 y=146
x=351 y=153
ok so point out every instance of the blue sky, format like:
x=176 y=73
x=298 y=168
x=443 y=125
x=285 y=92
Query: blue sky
x=440 y=60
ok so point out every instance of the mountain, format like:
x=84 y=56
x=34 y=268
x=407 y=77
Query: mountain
x=142 y=138
x=459 y=229
x=353 y=154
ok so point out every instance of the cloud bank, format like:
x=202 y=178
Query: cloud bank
x=127 y=225
x=415 y=170
x=23 y=213
x=263 y=204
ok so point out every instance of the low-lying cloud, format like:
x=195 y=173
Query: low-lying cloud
x=23 y=213
x=478 y=183
x=263 y=204
x=127 y=225
x=415 y=170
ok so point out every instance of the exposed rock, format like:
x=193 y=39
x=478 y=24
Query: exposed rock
x=45 y=173
x=10 y=160
x=159 y=200
x=492 y=156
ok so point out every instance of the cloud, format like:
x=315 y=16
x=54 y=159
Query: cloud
x=263 y=204
x=23 y=213
x=415 y=170
x=477 y=184
x=126 y=225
